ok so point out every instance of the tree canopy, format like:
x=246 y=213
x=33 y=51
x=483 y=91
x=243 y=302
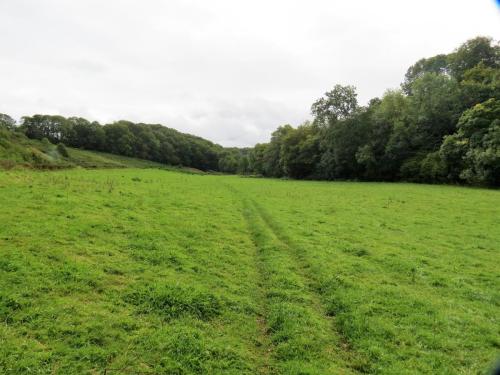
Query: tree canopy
x=442 y=126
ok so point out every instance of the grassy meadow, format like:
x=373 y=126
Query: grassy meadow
x=147 y=271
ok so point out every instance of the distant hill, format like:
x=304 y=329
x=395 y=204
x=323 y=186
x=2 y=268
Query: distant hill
x=18 y=151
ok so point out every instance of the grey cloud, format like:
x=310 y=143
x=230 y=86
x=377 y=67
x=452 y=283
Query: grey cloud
x=86 y=65
x=231 y=71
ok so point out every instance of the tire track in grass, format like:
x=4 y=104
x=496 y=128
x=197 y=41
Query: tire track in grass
x=297 y=333
x=264 y=340
x=355 y=361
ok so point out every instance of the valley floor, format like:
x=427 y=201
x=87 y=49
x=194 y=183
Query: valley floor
x=138 y=271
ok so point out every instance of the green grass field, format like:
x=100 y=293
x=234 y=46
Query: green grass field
x=144 y=271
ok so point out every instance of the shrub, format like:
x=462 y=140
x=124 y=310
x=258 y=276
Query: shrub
x=45 y=142
x=433 y=168
x=61 y=149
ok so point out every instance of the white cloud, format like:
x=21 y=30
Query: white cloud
x=230 y=71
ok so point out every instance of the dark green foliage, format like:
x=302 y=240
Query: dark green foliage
x=230 y=160
x=337 y=104
x=433 y=168
x=300 y=151
x=479 y=84
x=434 y=108
x=119 y=138
x=84 y=134
x=480 y=50
x=473 y=153
x=437 y=64
x=341 y=142
x=272 y=162
x=53 y=128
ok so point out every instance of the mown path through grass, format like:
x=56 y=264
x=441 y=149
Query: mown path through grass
x=344 y=353
x=302 y=337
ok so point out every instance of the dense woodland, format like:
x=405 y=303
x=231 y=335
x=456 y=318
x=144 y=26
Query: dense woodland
x=441 y=126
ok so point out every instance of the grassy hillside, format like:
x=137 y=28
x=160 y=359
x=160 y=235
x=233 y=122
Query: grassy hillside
x=17 y=151
x=156 y=272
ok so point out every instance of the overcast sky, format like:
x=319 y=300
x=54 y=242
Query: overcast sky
x=227 y=70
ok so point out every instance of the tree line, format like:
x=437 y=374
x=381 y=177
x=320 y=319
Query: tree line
x=441 y=126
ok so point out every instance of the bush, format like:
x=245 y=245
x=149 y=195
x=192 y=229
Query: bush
x=433 y=168
x=46 y=142
x=61 y=149
x=410 y=169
